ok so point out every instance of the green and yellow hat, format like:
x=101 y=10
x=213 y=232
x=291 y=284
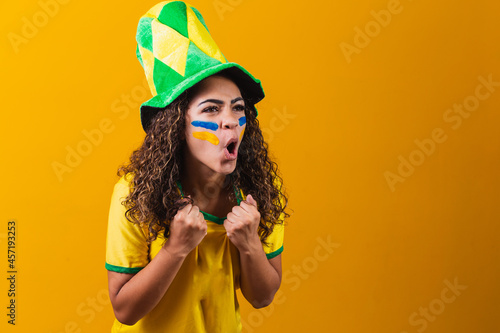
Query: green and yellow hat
x=177 y=51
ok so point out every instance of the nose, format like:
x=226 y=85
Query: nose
x=229 y=121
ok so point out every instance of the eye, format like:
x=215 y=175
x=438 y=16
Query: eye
x=239 y=107
x=212 y=108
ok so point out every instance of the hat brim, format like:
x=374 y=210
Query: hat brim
x=252 y=89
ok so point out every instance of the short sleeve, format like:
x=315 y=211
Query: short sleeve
x=127 y=250
x=275 y=241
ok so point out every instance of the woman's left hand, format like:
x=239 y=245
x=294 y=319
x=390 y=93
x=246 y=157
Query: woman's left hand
x=242 y=224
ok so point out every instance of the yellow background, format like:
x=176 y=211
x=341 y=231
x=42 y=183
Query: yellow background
x=336 y=124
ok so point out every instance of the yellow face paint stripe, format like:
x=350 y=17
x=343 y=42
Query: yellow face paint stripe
x=207 y=136
x=241 y=134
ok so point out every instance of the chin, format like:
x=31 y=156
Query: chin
x=227 y=168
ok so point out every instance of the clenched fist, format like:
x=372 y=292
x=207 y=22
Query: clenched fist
x=187 y=229
x=242 y=224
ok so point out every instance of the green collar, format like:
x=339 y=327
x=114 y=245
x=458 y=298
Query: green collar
x=210 y=217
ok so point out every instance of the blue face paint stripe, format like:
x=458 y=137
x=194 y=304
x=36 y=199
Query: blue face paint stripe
x=205 y=124
x=242 y=121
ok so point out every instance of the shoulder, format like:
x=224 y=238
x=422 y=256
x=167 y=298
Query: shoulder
x=123 y=185
x=118 y=223
x=125 y=180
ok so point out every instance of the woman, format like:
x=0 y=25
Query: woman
x=198 y=212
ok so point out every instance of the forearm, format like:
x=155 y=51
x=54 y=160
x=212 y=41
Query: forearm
x=259 y=280
x=139 y=295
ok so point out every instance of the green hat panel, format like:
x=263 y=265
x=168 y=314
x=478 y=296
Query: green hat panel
x=144 y=36
x=199 y=60
x=176 y=22
x=164 y=76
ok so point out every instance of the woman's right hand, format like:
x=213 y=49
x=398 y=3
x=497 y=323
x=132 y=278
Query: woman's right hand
x=187 y=230
x=134 y=295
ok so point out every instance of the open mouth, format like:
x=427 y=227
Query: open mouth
x=231 y=147
x=230 y=150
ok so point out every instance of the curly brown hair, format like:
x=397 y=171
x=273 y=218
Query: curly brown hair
x=156 y=167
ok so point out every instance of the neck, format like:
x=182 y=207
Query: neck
x=203 y=184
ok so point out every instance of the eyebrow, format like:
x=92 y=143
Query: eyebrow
x=218 y=101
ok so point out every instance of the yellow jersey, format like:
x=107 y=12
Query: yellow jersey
x=202 y=296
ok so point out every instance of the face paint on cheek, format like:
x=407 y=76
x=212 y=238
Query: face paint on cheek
x=207 y=136
x=206 y=124
x=242 y=121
